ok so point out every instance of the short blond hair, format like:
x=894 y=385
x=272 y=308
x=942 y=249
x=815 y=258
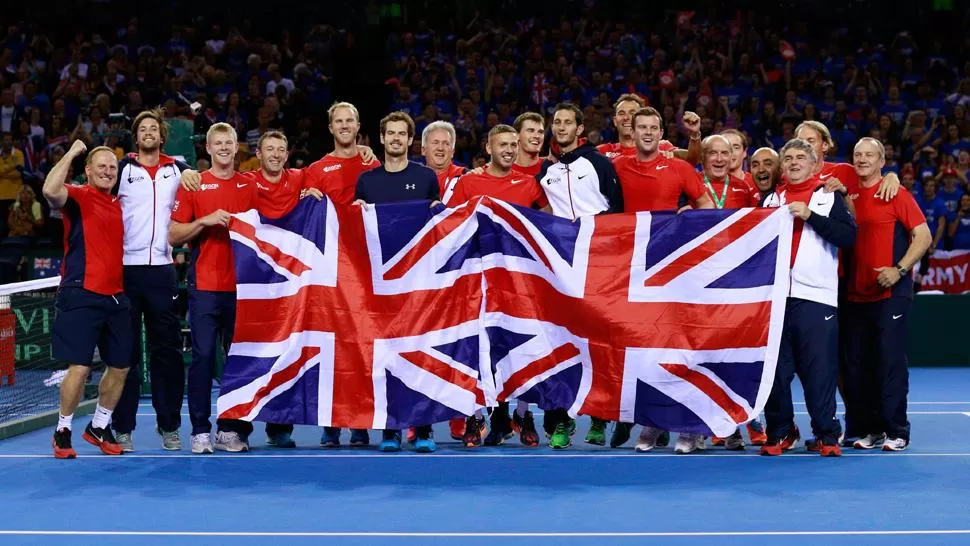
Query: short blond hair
x=333 y=108
x=272 y=134
x=819 y=128
x=221 y=127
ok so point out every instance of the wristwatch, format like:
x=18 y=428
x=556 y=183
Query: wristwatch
x=902 y=270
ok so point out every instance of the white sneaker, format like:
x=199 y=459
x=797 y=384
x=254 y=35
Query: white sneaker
x=648 y=439
x=895 y=444
x=231 y=442
x=734 y=442
x=124 y=440
x=201 y=443
x=869 y=442
x=689 y=443
x=171 y=441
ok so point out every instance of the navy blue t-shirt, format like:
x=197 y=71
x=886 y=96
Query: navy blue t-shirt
x=415 y=183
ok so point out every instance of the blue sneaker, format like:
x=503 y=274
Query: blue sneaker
x=330 y=438
x=359 y=437
x=391 y=442
x=282 y=439
x=425 y=445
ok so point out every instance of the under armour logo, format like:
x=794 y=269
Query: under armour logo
x=410 y=186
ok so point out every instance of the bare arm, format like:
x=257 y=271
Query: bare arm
x=55 y=189
x=180 y=233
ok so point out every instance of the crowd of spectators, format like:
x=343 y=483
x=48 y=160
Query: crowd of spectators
x=854 y=67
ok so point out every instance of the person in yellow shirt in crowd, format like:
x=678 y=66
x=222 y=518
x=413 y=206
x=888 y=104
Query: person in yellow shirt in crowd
x=11 y=169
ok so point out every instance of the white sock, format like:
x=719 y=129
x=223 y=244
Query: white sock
x=521 y=408
x=102 y=417
x=64 y=421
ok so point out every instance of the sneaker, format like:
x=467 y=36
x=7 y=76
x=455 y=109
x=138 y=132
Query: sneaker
x=895 y=444
x=457 y=428
x=734 y=442
x=391 y=441
x=829 y=450
x=849 y=441
x=871 y=441
x=756 y=433
x=689 y=443
x=103 y=438
x=171 y=441
x=621 y=434
x=561 y=437
x=597 y=432
x=124 y=440
x=424 y=443
x=281 y=440
x=330 y=437
x=664 y=439
x=231 y=442
x=501 y=429
x=474 y=429
x=62 y=444
x=717 y=441
x=787 y=444
x=648 y=439
x=201 y=443
x=359 y=437
x=527 y=429
x=812 y=445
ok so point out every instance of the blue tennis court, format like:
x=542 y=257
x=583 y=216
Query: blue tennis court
x=510 y=494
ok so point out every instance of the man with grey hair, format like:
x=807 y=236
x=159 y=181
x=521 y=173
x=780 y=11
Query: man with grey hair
x=438 y=148
x=892 y=239
x=810 y=335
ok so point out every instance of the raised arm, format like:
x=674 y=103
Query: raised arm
x=55 y=188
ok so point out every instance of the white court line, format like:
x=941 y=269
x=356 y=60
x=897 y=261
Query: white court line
x=967 y=413
x=490 y=535
x=412 y=456
x=148 y=404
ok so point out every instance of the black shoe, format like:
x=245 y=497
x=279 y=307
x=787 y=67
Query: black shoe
x=102 y=438
x=621 y=434
x=664 y=439
x=62 y=444
x=501 y=429
x=527 y=429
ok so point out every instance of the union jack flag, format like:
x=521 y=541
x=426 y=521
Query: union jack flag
x=399 y=315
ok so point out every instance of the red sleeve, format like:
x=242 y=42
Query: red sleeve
x=183 y=211
x=849 y=178
x=666 y=146
x=77 y=193
x=908 y=211
x=539 y=196
x=604 y=148
x=690 y=181
x=458 y=195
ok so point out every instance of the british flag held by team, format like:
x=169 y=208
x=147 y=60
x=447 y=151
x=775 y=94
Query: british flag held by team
x=401 y=315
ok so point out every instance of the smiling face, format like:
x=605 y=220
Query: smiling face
x=647 y=134
x=565 y=128
x=102 y=170
x=798 y=165
x=737 y=151
x=868 y=160
x=531 y=137
x=623 y=119
x=717 y=158
x=395 y=139
x=272 y=154
x=502 y=148
x=221 y=146
x=764 y=169
x=149 y=135
x=344 y=126
x=816 y=140
x=440 y=150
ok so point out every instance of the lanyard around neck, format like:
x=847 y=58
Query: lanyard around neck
x=719 y=203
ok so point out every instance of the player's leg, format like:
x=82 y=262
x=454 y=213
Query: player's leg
x=231 y=434
x=779 y=411
x=859 y=386
x=817 y=362
x=123 y=419
x=893 y=372
x=114 y=344
x=205 y=333
x=163 y=333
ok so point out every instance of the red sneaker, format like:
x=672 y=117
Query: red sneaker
x=756 y=432
x=412 y=435
x=103 y=438
x=787 y=444
x=457 y=426
x=717 y=441
x=62 y=445
x=830 y=450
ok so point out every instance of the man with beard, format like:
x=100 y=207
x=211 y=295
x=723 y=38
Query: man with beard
x=582 y=182
x=438 y=148
x=148 y=181
x=623 y=111
x=336 y=173
x=810 y=335
x=765 y=170
x=892 y=238
x=398 y=180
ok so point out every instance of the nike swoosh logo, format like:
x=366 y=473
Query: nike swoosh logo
x=739 y=189
x=517 y=181
x=896 y=317
x=661 y=167
x=823 y=176
x=241 y=185
x=584 y=176
x=167 y=176
x=830 y=317
x=175 y=297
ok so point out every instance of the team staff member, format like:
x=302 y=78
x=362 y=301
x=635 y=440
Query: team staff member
x=397 y=180
x=582 y=182
x=202 y=219
x=336 y=173
x=91 y=307
x=148 y=182
x=893 y=236
x=810 y=336
x=765 y=170
x=727 y=190
x=438 y=149
x=839 y=176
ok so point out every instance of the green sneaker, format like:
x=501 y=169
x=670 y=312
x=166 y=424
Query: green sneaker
x=560 y=438
x=597 y=432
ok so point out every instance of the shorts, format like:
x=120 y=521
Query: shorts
x=84 y=320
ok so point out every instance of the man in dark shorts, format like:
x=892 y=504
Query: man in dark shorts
x=91 y=307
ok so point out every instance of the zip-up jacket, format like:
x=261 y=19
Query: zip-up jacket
x=816 y=243
x=146 y=206
x=582 y=183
